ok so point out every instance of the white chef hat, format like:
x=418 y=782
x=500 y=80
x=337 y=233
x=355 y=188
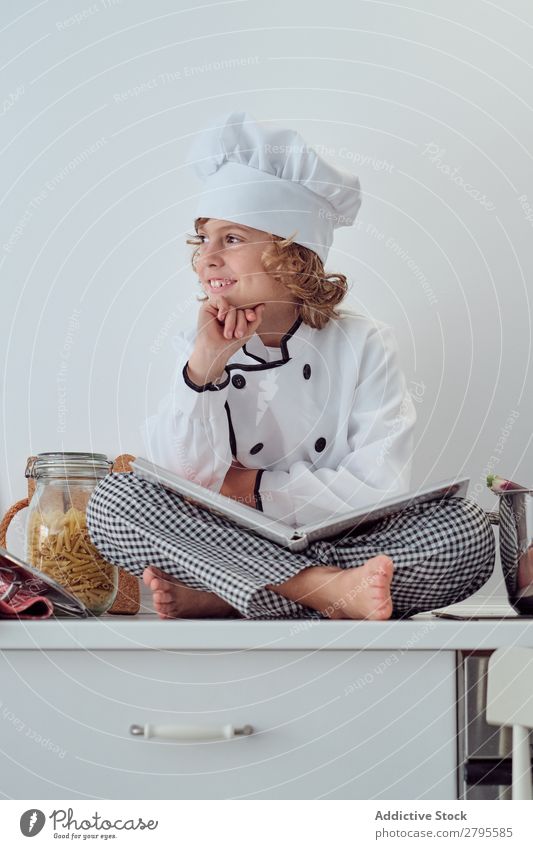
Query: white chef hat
x=269 y=178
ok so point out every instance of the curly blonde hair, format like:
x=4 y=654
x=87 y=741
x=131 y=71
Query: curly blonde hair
x=315 y=292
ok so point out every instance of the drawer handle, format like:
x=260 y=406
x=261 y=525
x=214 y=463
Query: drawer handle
x=190 y=732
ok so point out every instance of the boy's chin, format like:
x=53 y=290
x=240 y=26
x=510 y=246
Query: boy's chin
x=238 y=302
x=236 y=299
x=229 y=295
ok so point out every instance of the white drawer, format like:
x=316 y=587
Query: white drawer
x=332 y=724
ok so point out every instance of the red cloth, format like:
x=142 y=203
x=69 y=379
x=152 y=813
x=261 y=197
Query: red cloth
x=25 y=605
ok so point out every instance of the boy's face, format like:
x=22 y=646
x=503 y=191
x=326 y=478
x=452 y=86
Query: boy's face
x=232 y=252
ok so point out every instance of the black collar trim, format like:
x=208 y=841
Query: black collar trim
x=214 y=387
x=285 y=357
x=253 y=356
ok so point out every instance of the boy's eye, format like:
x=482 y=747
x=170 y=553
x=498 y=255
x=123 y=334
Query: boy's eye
x=230 y=238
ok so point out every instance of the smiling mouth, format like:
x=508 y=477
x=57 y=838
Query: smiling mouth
x=223 y=285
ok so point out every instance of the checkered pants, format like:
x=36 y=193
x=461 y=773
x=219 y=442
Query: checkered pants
x=443 y=550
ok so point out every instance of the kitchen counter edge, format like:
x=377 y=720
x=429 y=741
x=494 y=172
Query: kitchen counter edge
x=146 y=632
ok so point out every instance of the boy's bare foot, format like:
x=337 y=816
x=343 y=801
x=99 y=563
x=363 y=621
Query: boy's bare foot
x=359 y=593
x=174 y=600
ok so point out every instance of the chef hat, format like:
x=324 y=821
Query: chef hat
x=269 y=178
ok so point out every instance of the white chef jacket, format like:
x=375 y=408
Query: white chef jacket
x=326 y=417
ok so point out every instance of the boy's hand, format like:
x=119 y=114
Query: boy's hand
x=222 y=327
x=222 y=330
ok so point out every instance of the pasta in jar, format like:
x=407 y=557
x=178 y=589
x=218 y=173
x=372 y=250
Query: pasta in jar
x=58 y=542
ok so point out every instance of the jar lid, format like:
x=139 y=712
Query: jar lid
x=68 y=464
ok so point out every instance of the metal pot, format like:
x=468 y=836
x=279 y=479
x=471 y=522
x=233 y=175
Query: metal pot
x=516 y=546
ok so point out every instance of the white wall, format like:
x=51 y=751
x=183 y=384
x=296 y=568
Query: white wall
x=429 y=102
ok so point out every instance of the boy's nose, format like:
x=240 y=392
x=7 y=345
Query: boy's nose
x=210 y=256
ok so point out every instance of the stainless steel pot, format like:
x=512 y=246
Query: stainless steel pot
x=516 y=546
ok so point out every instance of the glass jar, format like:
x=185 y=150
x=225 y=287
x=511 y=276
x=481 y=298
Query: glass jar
x=57 y=539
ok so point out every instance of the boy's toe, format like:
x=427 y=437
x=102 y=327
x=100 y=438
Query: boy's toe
x=150 y=573
x=162 y=597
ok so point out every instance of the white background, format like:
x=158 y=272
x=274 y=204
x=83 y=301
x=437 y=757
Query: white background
x=96 y=119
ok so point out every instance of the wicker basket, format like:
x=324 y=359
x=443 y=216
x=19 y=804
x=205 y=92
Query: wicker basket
x=128 y=597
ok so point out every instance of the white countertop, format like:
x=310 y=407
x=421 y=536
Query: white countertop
x=146 y=631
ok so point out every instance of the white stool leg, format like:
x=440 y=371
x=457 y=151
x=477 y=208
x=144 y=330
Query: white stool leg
x=521 y=763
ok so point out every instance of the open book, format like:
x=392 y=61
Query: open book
x=295 y=539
